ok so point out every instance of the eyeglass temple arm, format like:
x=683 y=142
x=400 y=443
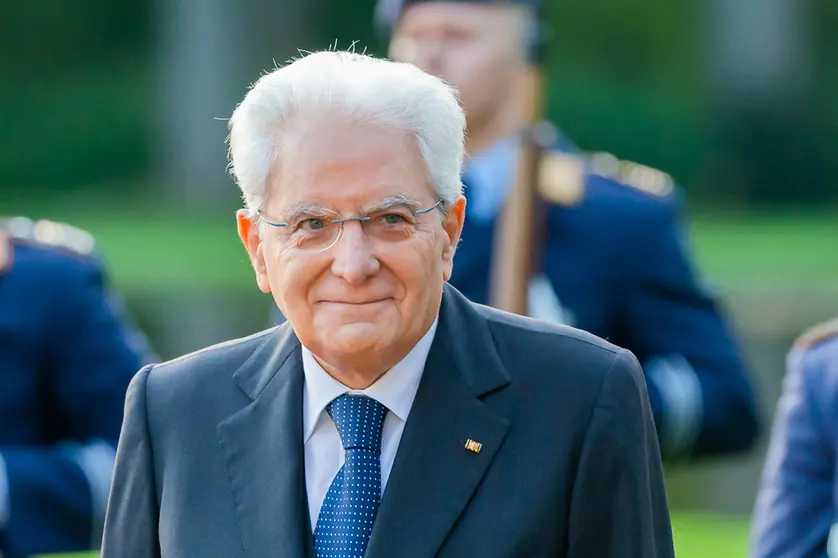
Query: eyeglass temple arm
x=271 y=223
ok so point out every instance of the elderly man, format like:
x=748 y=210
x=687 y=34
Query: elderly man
x=389 y=416
x=796 y=514
x=613 y=258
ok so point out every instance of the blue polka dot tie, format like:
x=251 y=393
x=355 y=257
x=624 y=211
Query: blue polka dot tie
x=346 y=517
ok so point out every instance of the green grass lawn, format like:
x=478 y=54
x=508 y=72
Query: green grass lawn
x=153 y=250
x=741 y=251
x=696 y=536
x=701 y=536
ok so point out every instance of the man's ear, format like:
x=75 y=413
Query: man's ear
x=249 y=234
x=453 y=226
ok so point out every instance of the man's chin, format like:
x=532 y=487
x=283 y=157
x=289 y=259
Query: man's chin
x=357 y=337
x=362 y=333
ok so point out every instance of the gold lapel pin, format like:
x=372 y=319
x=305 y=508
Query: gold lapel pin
x=474 y=446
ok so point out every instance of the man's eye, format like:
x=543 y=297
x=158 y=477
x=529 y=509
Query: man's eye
x=393 y=218
x=313 y=224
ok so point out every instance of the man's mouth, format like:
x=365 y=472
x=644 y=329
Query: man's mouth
x=356 y=302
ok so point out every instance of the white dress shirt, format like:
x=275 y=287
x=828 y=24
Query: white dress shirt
x=395 y=390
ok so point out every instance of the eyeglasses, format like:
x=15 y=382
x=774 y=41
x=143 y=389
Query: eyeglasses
x=313 y=230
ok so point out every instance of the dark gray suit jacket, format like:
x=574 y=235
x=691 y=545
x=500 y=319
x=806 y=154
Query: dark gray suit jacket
x=210 y=461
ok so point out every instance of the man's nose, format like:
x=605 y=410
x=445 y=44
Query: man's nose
x=354 y=258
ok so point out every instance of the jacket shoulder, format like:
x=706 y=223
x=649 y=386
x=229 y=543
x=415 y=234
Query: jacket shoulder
x=549 y=342
x=548 y=361
x=222 y=358
x=812 y=362
x=538 y=329
x=817 y=335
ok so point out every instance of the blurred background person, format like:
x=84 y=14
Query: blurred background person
x=66 y=358
x=614 y=259
x=795 y=515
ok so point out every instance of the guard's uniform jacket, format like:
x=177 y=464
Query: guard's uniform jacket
x=796 y=507
x=66 y=358
x=615 y=262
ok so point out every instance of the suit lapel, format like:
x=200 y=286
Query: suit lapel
x=434 y=476
x=263 y=448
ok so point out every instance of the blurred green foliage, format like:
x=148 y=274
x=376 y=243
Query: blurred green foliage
x=75 y=93
x=628 y=78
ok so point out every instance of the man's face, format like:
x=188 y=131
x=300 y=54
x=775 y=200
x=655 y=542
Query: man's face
x=475 y=48
x=377 y=288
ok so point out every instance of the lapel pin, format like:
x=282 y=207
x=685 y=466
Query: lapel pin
x=474 y=446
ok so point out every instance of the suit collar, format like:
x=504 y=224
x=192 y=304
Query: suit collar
x=263 y=451
x=268 y=358
x=434 y=475
x=465 y=337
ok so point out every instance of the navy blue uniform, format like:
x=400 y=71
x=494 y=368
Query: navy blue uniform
x=797 y=505
x=615 y=263
x=66 y=358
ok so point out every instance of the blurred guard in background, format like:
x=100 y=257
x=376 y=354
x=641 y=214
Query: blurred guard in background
x=66 y=358
x=797 y=507
x=613 y=260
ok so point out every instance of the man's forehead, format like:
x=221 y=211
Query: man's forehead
x=349 y=185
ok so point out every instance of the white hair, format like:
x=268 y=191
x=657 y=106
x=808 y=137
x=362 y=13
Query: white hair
x=360 y=87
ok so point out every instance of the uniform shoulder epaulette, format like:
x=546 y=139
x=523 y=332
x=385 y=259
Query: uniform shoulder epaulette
x=561 y=177
x=641 y=177
x=50 y=234
x=817 y=334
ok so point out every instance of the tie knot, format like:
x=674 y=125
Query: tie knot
x=359 y=419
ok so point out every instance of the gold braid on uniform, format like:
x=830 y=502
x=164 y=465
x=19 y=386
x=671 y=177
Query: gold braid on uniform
x=561 y=176
x=643 y=178
x=49 y=234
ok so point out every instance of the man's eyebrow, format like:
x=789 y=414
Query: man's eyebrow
x=392 y=201
x=306 y=209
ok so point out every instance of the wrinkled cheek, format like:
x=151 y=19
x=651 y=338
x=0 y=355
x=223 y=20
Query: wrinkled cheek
x=278 y=275
x=295 y=277
x=277 y=254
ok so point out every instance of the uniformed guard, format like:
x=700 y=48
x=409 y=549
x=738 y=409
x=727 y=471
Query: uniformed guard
x=613 y=256
x=796 y=513
x=66 y=358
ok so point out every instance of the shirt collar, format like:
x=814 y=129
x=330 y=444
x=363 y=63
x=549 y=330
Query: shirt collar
x=487 y=176
x=396 y=389
x=497 y=157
